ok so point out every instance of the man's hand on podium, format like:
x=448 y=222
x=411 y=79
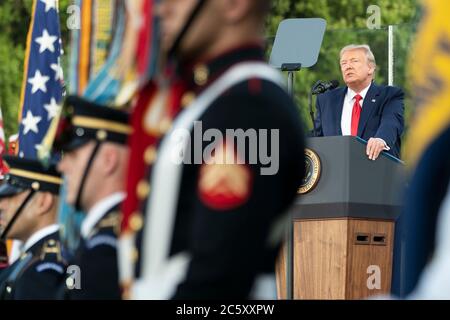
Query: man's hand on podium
x=374 y=147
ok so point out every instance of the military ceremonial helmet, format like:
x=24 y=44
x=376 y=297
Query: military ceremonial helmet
x=25 y=174
x=83 y=121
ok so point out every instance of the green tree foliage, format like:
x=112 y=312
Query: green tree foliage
x=15 y=16
x=14 y=21
x=346 y=24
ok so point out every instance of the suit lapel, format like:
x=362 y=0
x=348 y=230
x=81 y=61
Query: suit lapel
x=340 y=106
x=370 y=103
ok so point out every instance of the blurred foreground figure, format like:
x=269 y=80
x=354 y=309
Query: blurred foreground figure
x=93 y=139
x=434 y=282
x=428 y=156
x=214 y=202
x=28 y=204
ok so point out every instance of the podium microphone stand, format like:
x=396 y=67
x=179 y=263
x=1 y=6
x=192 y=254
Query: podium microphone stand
x=297 y=45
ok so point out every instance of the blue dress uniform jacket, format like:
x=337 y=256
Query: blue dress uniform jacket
x=96 y=258
x=37 y=274
x=415 y=235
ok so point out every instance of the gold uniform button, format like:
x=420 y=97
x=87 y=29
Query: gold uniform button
x=35 y=185
x=143 y=189
x=201 y=74
x=51 y=242
x=187 y=99
x=135 y=255
x=150 y=155
x=101 y=135
x=165 y=126
x=70 y=110
x=70 y=282
x=136 y=222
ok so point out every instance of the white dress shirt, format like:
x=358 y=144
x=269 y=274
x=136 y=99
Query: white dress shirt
x=98 y=211
x=349 y=101
x=38 y=235
x=347 y=110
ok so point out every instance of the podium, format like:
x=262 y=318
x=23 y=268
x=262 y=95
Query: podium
x=343 y=223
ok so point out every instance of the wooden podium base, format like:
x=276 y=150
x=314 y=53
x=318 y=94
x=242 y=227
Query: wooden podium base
x=342 y=258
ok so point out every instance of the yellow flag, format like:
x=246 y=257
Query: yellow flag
x=430 y=70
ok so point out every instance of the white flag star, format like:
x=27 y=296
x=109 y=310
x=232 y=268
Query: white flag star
x=46 y=42
x=61 y=52
x=52 y=109
x=49 y=4
x=40 y=148
x=30 y=123
x=58 y=71
x=38 y=82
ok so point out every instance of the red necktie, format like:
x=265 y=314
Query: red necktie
x=356 y=113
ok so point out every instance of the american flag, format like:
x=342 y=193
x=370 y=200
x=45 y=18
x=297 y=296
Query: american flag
x=43 y=77
x=3 y=168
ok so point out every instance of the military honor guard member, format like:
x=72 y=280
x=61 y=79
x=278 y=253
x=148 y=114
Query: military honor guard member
x=28 y=204
x=95 y=156
x=214 y=211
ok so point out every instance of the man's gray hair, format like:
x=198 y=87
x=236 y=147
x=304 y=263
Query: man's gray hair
x=365 y=47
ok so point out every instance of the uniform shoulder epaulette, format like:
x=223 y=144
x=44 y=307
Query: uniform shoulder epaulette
x=111 y=220
x=51 y=248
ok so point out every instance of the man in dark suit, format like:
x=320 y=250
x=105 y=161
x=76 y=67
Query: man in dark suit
x=362 y=108
x=28 y=205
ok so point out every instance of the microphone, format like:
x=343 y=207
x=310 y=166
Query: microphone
x=318 y=88
x=324 y=86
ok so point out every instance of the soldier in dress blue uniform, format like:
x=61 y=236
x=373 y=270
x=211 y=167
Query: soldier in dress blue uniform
x=93 y=139
x=214 y=218
x=28 y=204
